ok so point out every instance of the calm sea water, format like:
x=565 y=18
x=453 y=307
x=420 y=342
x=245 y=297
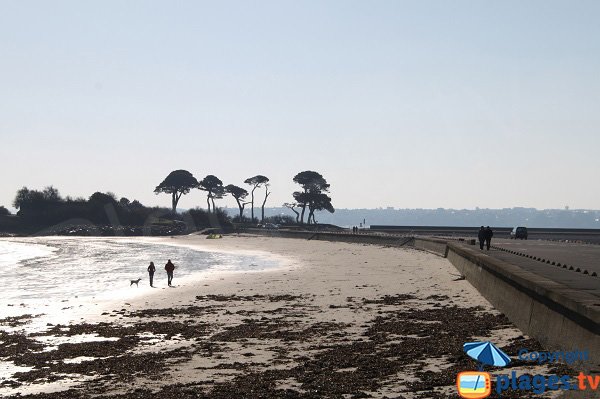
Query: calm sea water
x=38 y=274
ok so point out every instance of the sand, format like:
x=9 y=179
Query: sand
x=334 y=320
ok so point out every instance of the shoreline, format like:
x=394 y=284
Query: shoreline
x=337 y=319
x=76 y=308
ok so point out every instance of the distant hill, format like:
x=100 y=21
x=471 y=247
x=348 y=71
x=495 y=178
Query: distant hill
x=507 y=217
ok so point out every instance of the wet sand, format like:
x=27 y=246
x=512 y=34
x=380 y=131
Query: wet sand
x=336 y=320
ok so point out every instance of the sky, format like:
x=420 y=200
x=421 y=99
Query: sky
x=410 y=104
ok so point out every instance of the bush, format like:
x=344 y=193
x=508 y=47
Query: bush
x=202 y=219
x=4 y=211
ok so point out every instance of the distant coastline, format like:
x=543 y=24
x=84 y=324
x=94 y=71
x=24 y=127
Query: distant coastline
x=505 y=217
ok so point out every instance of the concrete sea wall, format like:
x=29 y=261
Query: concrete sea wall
x=559 y=317
x=433 y=245
x=335 y=236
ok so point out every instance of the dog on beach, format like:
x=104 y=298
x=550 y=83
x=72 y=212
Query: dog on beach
x=136 y=282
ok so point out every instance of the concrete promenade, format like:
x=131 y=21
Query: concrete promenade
x=585 y=256
x=550 y=290
x=555 y=261
x=558 y=316
x=550 y=234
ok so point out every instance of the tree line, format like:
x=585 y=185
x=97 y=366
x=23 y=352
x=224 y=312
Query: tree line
x=181 y=182
x=313 y=195
x=43 y=208
x=47 y=207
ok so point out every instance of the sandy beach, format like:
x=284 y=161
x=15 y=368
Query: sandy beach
x=336 y=320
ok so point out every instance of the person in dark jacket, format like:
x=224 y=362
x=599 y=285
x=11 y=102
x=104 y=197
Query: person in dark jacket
x=151 y=270
x=481 y=237
x=488 y=237
x=169 y=267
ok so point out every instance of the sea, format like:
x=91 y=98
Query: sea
x=55 y=276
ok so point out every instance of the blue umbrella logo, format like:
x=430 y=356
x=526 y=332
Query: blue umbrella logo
x=486 y=353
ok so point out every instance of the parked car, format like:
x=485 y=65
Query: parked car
x=519 y=232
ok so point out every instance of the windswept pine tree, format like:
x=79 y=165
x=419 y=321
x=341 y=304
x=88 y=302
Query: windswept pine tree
x=313 y=195
x=255 y=182
x=239 y=194
x=214 y=190
x=177 y=183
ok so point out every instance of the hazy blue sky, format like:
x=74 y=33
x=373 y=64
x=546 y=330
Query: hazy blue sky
x=397 y=103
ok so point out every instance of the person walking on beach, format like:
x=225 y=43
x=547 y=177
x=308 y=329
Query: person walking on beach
x=481 y=237
x=169 y=267
x=151 y=270
x=488 y=237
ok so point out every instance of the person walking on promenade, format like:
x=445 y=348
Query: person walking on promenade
x=488 y=237
x=151 y=270
x=481 y=237
x=169 y=267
